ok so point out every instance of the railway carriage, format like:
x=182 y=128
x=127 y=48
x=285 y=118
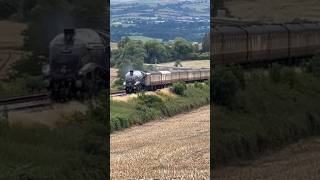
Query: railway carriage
x=257 y=49
x=193 y=75
x=175 y=76
x=271 y=42
x=278 y=42
x=234 y=45
x=137 y=81
x=312 y=35
x=166 y=77
x=183 y=75
x=216 y=47
x=205 y=74
x=297 y=40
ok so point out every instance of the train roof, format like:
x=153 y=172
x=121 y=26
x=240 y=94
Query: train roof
x=295 y=27
x=311 y=26
x=255 y=29
x=275 y=28
x=82 y=36
x=165 y=72
x=153 y=72
x=264 y=28
x=230 y=30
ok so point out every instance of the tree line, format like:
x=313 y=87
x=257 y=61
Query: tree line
x=136 y=52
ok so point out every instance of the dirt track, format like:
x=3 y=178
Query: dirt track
x=300 y=161
x=175 y=148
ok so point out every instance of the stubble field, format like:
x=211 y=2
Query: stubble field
x=298 y=161
x=174 y=148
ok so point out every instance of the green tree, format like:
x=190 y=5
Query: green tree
x=178 y=64
x=27 y=6
x=130 y=55
x=123 y=41
x=206 y=43
x=155 y=50
x=8 y=8
x=178 y=88
x=182 y=48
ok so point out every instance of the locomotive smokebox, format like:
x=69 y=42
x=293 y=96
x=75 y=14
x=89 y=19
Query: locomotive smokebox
x=69 y=36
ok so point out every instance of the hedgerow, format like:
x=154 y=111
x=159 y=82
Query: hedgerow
x=145 y=108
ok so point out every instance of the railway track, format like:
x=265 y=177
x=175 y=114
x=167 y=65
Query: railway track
x=25 y=102
x=34 y=100
x=118 y=93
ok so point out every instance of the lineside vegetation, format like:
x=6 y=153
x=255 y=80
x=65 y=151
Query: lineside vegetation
x=263 y=109
x=145 y=108
x=73 y=150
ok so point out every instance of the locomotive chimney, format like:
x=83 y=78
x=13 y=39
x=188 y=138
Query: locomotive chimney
x=131 y=72
x=69 y=35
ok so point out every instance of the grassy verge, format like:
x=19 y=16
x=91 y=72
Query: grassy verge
x=145 y=108
x=270 y=110
x=21 y=86
x=74 y=150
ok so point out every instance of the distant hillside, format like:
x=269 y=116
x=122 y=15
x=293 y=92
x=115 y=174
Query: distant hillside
x=274 y=10
x=163 y=19
x=148 y=1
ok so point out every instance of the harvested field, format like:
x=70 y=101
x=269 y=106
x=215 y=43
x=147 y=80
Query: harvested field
x=274 y=10
x=175 y=148
x=10 y=34
x=298 y=161
x=11 y=42
x=114 y=46
x=7 y=58
x=190 y=64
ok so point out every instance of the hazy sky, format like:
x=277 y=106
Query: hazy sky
x=121 y=1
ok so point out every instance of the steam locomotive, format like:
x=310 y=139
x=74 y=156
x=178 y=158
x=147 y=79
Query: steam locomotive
x=77 y=64
x=136 y=81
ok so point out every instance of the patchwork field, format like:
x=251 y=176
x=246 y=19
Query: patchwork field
x=190 y=64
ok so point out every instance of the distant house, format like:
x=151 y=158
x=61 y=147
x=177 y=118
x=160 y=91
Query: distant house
x=199 y=45
x=116 y=24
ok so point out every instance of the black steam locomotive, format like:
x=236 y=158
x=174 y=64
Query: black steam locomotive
x=77 y=64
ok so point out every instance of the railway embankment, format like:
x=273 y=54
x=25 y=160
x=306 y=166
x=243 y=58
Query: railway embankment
x=61 y=142
x=258 y=112
x=148 y=107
